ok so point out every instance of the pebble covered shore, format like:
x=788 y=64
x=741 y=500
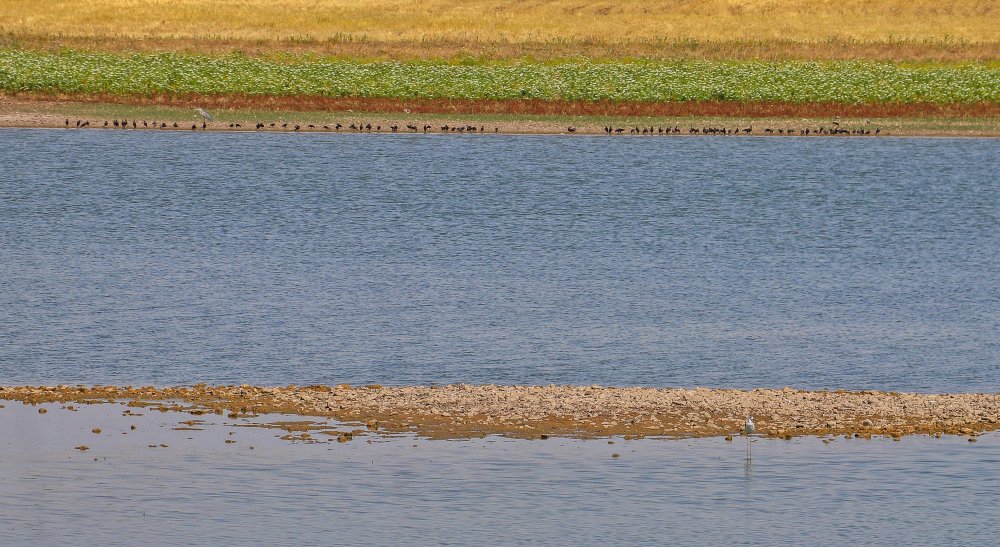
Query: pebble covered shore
x=464 y=411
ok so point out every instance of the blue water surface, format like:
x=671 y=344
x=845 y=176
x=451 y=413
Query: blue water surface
x=175 y=258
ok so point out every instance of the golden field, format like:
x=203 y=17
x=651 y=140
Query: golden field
x=895 y=29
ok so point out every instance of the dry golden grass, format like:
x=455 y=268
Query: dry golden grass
x=832 y=49
x=917 y=29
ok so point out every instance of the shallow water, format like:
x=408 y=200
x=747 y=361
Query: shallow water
x=404 y=490
x=172 y=258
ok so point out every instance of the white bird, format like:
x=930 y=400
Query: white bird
x=205 y=115
x=749 y=428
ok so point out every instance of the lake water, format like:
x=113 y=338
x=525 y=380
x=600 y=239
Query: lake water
x=177 y=258
x=199 y=490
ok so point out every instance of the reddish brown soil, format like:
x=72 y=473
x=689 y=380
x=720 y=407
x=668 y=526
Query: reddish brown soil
x=542 y=107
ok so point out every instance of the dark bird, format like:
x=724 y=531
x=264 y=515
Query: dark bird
x=571 y=129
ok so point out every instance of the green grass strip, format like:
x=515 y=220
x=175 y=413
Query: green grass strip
x=851 y=82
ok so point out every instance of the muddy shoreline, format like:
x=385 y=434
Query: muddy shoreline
x=467 y=411
x=396 y=117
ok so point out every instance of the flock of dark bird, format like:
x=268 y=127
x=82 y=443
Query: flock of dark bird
x=833 y=129
x=358 y=127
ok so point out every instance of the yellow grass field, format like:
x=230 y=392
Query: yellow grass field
x=796 y=28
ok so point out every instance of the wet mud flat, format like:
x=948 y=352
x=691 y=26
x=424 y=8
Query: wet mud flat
x=468 y=411
x=95 y=427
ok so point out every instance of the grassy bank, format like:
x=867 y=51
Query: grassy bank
x=913 y=29
x=845 y=82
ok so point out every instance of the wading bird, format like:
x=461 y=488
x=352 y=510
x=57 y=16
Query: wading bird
x=749 y=428
x=205 y=115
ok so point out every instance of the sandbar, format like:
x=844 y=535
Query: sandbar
x=462 y=411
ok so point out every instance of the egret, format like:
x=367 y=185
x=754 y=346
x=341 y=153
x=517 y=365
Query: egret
x=205 y=115
x=749 y=428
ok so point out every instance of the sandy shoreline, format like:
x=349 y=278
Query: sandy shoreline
x=90 y=116
x=465 y=411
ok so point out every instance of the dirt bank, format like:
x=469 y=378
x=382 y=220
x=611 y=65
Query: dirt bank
x=493 y=117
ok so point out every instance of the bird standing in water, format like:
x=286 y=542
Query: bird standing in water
x=749 y=428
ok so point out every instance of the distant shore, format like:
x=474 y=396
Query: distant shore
x=764 y=120
x=465 y=411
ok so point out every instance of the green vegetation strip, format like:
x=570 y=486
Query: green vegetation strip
x=851 y=82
